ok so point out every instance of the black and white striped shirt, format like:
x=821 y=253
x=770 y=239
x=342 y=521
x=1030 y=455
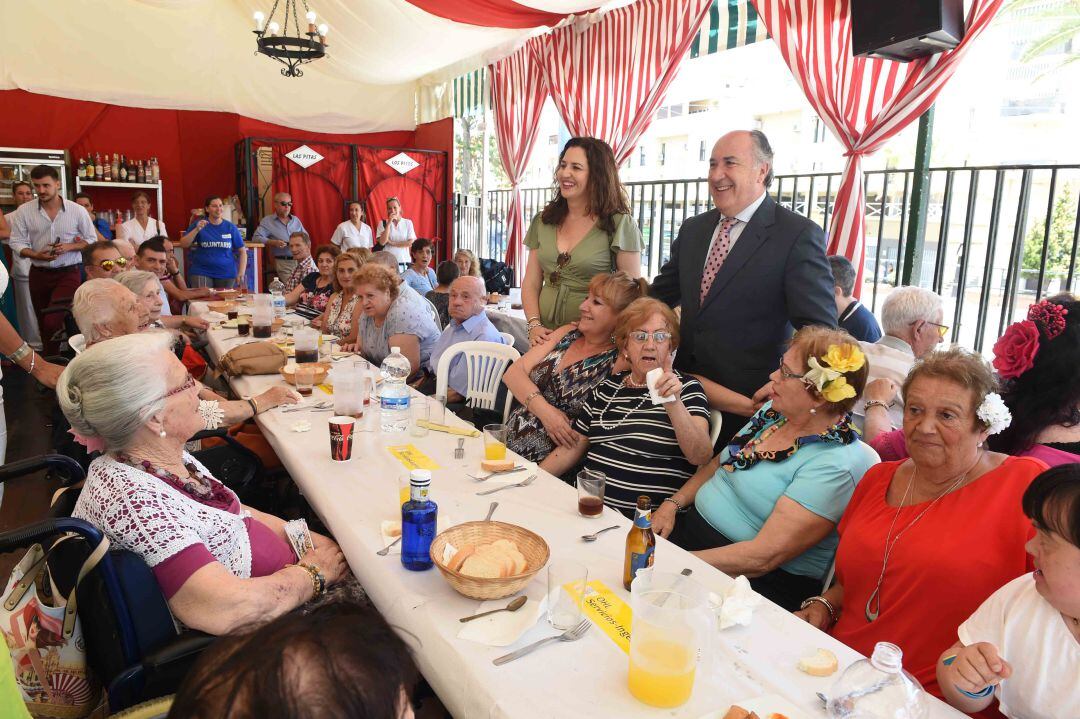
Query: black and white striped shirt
x=632 y=441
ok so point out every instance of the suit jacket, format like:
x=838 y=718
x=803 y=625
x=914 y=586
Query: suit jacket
x=775 y=280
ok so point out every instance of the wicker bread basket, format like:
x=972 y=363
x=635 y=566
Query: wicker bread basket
x=531 y=545
x=288 y=372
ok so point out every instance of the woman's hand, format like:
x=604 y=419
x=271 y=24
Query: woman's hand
x=816 y=615
x=881 y=390
x=350 y=347
x=276 y=396
x=195 y=323
x=668 y=384
x=663 y=519
x=328 y=558
x=977 y=667
x=538 y=335
x=558 y=426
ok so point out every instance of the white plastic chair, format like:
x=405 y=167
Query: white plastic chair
x=508 y=338
x=434 y=313
x=77 y=343
x=716 y=421
x=485 y=364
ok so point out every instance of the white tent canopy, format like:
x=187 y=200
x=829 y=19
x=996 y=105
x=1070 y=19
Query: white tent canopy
x=200 y=55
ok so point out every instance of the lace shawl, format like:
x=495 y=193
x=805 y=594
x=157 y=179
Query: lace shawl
x=145 y=515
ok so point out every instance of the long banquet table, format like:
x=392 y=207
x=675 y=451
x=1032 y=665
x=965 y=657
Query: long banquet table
x=582 y=679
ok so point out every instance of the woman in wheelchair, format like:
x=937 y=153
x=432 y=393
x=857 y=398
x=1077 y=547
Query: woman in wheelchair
x=220 y=565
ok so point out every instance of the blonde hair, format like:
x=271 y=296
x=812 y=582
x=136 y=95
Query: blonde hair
x=814 y=341
x=379 y=277
x=362 y=254
x=638 y=312
x=344 y=257
x=618 y=289
x=474 y=264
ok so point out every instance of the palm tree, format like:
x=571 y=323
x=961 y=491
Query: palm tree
x=1062 y=20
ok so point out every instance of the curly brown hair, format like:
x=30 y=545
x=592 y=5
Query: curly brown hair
x=379 y=277
x=607 y=196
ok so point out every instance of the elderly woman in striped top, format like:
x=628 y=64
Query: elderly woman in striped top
x=643 y=447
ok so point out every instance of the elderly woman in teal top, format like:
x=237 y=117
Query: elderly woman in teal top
x=768 y=505
x=585 y=230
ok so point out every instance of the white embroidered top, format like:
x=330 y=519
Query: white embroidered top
x=145 y=515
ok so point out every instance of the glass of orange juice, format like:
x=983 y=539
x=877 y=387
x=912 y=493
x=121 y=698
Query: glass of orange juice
x=495 y=441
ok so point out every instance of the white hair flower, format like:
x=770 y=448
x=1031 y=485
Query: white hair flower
x=993 y=413
x=819 y=375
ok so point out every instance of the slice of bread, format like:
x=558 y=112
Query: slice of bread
x=737 y=712
x=496 y=465
x=821 y=663
x=482 y=567
x=498 y=554
x=458 y=559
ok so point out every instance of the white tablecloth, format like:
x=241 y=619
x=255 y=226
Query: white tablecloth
x=582 y=679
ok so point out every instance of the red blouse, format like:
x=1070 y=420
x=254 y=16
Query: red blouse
x=966 y=547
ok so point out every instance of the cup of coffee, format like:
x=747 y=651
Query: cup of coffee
x=341 y=438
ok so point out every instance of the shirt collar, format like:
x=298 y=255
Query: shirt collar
x=470 y=324
x=747 y=212
x=63 y=205
x=897 y=344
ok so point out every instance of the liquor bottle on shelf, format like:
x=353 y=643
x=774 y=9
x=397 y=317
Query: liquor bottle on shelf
x=82 y=169
x=155 y=170
x=89 y=167
x=108 y=169
x=99 y=173
x=123 y=170
x=640 y=542
x=115 y=167
x=140 y=175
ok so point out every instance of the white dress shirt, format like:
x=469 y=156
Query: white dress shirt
x=743 y=216
x=32 y=229
x=403 y=230
x=136 y=234
x=347 y=236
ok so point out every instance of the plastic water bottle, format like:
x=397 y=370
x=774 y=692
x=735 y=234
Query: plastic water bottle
x=419 y=517
x=277 y=297
x=394 y=394
x=878 y=688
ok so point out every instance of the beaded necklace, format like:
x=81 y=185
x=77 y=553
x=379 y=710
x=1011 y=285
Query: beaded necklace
x=630 y=384
x=198 y=485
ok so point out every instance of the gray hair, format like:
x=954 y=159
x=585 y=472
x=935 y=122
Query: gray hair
x=303 y=236
x=279 y=195
x=386 y=259
x=477 y=282
x=762 y=153
x=135 y=280
x=113 y=388
x=907 y=305
x=93 y=305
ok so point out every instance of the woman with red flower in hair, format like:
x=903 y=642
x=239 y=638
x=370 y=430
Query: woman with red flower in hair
x=1037 y=361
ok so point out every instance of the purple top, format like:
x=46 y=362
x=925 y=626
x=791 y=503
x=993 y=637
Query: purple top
x=269 y=553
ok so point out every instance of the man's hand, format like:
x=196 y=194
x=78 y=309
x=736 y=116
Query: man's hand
x=276 y=243
x=762 y=396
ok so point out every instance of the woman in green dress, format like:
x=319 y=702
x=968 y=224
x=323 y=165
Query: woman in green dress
x=585 y=230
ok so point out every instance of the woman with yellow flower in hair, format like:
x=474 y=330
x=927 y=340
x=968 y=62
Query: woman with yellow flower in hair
x=767 y=506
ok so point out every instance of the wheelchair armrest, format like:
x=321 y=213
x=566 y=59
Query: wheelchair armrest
x=160 y=673
x=65 y=467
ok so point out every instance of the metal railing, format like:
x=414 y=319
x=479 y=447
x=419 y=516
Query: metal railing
x=469 y=224
x=984 y=250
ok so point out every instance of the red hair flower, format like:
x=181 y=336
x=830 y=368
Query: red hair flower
x=1014 y=352
x=1048 y=316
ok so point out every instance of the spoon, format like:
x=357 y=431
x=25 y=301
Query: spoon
x=592 y=537
x=491 y=511
x=386 y=550
x=511 y=607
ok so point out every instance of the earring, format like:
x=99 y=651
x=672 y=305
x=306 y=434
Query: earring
x=162 y=433
x=813 y=410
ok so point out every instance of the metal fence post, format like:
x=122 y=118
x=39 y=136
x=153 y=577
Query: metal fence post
x=920 y=198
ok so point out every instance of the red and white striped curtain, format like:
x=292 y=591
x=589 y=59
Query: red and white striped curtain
x=608 y=80
x=863 y=101
x=518 y=91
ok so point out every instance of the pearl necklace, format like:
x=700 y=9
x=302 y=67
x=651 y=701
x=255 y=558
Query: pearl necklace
x=875 y=597
x=629 y=383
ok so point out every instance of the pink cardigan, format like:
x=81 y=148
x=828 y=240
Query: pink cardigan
x=891 y=446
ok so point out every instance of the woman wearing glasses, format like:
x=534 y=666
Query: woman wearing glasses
x=767 y=506
x=642 y=447
x=220 y=565
x=585 y=229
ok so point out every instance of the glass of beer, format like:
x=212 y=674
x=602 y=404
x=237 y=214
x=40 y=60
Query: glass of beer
x=495 y=441
x=243 y=326
x=305 y=378
x=590 y=491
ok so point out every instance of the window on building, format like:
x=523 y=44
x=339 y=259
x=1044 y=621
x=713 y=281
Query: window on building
x=662 y=113
x=663 y=153
x=675 y=110
x=820 y=130
x=697 y=106
x=701 y=151
x=641 y=157
x=553 y=139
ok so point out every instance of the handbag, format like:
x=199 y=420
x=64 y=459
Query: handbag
x=45 y=639
x=253 y=358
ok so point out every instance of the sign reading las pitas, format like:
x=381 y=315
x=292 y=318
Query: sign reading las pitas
x=402 y=163
x=304 y=156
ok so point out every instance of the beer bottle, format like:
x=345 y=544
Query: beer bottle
x=640 y=542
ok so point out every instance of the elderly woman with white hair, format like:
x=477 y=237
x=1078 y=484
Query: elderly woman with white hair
x=147 y=289
x=220 y=565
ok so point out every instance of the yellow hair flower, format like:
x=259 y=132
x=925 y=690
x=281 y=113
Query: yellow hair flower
x=837 y=390
x=845 y=358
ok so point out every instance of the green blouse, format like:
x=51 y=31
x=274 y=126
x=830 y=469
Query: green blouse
x=566 y=287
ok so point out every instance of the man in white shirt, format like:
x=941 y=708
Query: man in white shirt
x=51 y=232
x=395 y=232
x=911 y=318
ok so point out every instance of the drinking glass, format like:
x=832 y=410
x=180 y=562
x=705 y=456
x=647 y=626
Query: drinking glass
x=590 y=490
x=305 y=378
x=437 y=409
x=565 y=590
x=418 y=412
x=495 y=441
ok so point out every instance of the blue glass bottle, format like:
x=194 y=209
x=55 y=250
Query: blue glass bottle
x=418 y=519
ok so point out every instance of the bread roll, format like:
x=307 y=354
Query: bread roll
x=496 y=465
x=737 y=712
x=821 y=663
x=458 y=559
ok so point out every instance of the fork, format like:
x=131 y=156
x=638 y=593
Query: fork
x=570 y=635
x=523 y=483
x=301 y=408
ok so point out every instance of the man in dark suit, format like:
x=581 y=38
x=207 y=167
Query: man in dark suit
x=746 y=275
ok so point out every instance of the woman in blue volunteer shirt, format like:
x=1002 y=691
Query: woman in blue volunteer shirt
x=218 y=257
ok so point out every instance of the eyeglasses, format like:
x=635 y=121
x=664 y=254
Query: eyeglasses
x=560 y=262
x=188 y=384
x=640 y=336
x=941 y=329
x=107 y=265
x=788 y=374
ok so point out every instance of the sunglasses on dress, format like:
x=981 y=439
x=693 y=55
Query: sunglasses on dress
x=560 y=262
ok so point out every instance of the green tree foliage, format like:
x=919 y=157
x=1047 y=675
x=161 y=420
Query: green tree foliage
x=1059 y=251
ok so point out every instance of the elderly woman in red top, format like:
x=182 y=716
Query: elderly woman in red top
x=924 y=541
